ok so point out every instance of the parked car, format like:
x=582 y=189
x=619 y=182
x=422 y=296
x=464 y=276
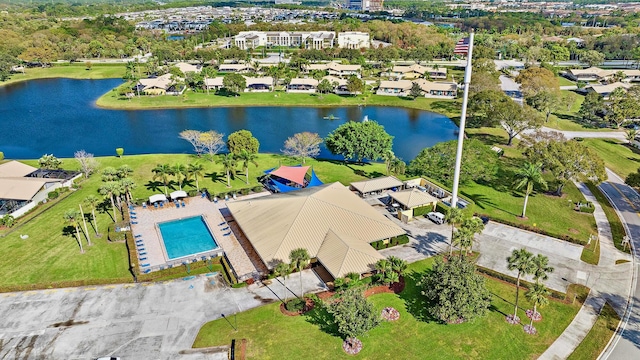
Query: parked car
x=436 y=217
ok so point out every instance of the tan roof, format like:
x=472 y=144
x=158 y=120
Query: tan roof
x=234 y=67
x=301 y=81
x=377 y=184
x=340 y=67
x=609 y=88
x=316 y=67
x=400 y=84
x=413 y=198
x=332 y=79
x=216 y=81
x=15 y=169
x=341 y=255
x=592 y=70
x=20 y=188
x=279 y=223
x=186 y=67
x=417 y=69
x=427 y=85
x=161 y=82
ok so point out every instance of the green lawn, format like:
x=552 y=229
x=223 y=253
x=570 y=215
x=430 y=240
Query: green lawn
x=563 y=81
x=199 y=99
x=598 y=336
x=498 y=199
x=619 y=157
x=271 y=335
x=73 y=71
x=49 y=255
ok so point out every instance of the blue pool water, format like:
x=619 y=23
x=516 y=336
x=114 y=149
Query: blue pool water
x=186 y=237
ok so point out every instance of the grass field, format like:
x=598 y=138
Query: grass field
x=598 y=336
x=52 y=255
x=563 y=81
x=271 y=335
x=73 y=71
x=199 y=99
x=619 y=157
x=499 y=200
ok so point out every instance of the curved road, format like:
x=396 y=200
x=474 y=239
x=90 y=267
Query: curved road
x=626 y=343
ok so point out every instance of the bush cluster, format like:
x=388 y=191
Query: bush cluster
x=585 y=207
x=294 y=304
x=53 y=195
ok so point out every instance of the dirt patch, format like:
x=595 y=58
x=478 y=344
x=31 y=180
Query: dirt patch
x=395 y=288
x=574 y=231
x=68 y=323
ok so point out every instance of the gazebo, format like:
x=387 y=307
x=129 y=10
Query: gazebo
x=157 y=198
x=290 y=178
x=178 y=194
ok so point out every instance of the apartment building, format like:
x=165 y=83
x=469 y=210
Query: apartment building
x=353 y=40
x=306 y=39
x=364 y=5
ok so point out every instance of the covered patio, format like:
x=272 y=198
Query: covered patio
x=377 y=186
x=290 y=178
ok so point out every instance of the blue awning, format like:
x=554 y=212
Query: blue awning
x=314 y=180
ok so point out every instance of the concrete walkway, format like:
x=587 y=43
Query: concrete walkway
x=603 y=288
x=132 y=321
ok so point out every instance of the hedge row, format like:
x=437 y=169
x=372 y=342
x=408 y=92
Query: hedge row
x=180 y=271
x=585 y=208
x=533 y=229
x=398 y=240
x=243 y=191
x=442 y=208
x=510 y=279
x=422 y=210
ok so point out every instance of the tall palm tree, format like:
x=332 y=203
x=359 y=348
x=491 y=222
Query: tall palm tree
x=124 y=171
x=529 y=175
x=283 y=269
x=462 y=238
x=127 y=185
x=522 y=261
x=84 y=222
x=71 y=217
x=299 y=260
x=631 y=135
x=473 y=225
x=388 y=157
x=229 y=163
x=180 y=172
x=538 y=295
x=196 y=170
x=398 y=265
x=246 y=158
x=541 y=268
x=92 y=201
x=162 y=171
x=453 y=217
x=110 y=190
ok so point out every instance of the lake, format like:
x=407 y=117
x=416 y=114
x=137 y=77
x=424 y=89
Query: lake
x=59 y=116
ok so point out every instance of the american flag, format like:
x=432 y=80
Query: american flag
x=462 y=47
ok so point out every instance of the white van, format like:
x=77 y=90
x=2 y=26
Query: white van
x=436 y=217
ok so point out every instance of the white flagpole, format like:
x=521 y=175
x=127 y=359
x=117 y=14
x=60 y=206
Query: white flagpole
x=463 y=119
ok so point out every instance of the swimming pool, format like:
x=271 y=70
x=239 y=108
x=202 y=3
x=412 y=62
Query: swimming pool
x=186 y=237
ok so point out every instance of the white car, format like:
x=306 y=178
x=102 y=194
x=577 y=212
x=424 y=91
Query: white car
x=436 y=217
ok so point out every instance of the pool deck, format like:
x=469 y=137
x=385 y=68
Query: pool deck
x=147 y=220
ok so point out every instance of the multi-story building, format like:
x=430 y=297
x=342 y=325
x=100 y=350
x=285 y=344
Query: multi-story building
x=302 y=39
x=364 y=5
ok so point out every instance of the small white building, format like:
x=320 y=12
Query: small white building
x=299 y=85
x=353 y=40
x=438 y=90
x=394 y=88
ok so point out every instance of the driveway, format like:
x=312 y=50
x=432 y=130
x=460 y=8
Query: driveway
x=133 y=321
x=511 y=88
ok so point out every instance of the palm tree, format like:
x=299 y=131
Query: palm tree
x=522 y=261
x=538 y=295
x=109 y=174
x=388 y=157
x=127 y=185
x=71 y=217
x=124 y=171
x=229 y=163
x=473 y=225
x=283 y=269
x=398 y=265
x=454 y=216
x=299 y=260
x=541 y=268
x=110 y=190
x=180 y=172
x=528 y=176
x=93 y=202
x=196 y=170
x=84 y=222
x=246 y=158
x=162 y=171
x=462 y=238
x=631 y=135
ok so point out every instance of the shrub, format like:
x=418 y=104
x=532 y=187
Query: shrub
x=1 y=156
x=257 y=189
x=422 y=210
x=586 y=207
x=119 y=152
x=245 y=191
x=294 y=304
x=221 y=195
x=192 y=193
x=8 y=221
x=403 y=239
x=442 y=208
x=53 y=195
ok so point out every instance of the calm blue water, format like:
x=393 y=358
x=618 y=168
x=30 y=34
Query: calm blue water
x=186 y=237
x=59 y=116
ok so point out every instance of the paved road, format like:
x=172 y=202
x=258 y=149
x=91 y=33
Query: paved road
x=133 y=321
x=626 y=345
x=511 y=88
x=618 y=135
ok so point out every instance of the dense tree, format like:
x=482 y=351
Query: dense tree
x=479 y=162
x=303 y=145
x=535 y=80
x=515 y=119
x=242 y=140
x=483 y=81
x=325 y=86
x=522 y=262
x=234 y=83
x=526 y=177
x=48 y=161
x=415 y=91
x=482 y=105
x=355 y=85
x=353 y=314
x=359 y=140
x=592 y=108
x=455 y=292
x=546 y=101
x=592 y=57
x=621 y=107
x=567 y=160
x=633 y=179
